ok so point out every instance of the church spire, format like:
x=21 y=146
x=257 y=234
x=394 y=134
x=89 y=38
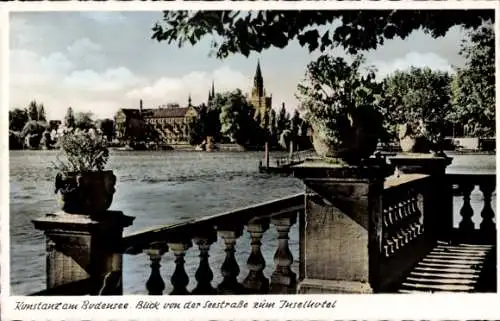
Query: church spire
x=213 y=90
x=258 y=81
x=189 y=100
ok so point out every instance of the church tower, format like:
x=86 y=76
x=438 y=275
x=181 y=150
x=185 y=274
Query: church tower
x=211 y=95
x=258 y=98
x=258 y=82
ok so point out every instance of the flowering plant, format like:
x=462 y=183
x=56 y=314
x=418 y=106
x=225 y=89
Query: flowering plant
x=85 y=150
x=414 y=129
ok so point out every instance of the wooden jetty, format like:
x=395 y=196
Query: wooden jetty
x=284 y=164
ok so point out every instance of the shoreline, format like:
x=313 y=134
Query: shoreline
x=241 y=149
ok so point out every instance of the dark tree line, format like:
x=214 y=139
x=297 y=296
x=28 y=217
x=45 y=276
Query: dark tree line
x=230 y=118
x=29 y=128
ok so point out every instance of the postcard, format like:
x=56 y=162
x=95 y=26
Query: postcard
x=249 y=160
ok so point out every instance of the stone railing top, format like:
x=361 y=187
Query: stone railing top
x=403 y=179
x=81 y=222
x=139 y=240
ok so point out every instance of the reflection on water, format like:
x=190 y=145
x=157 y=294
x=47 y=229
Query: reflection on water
x=159 y=188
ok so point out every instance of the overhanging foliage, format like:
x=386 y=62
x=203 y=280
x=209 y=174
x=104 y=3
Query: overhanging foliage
x=355 y=30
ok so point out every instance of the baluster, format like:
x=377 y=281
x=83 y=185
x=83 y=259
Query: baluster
x=398 y=213
x=466 y=225
x=256 y=282
x=387 y=242
x=413 y=217
x=155 y=284
x=283 y=279
x=230 y=268
x=400 y=238
x=487 y=225
x=179 y=278
x=392 y=219
x=406 y=207
x=204 y=274
x=391 y=215
x=407 y=219
x=419 y=203
x=416 y=221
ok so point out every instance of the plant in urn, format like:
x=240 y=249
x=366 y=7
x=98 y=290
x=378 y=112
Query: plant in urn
x=340 y=103
x=82 y=184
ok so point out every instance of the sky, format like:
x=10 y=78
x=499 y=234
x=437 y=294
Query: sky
x=101 y=61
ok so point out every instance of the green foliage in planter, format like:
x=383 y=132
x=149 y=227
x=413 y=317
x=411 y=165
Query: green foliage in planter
x=85 y=150
x=333 y=91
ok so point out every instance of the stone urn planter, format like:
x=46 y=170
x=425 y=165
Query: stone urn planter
x=82 y=184
x=412 y=139
x=86 y=193
x=339 y=101
x=355 y=139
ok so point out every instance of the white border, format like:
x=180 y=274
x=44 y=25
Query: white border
x=436 y=306
x=246 y=5
x=4 y=154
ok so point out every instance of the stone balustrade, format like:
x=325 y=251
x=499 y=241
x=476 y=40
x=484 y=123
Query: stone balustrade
x=200 y=235
x=463 y=186
x=361 y=230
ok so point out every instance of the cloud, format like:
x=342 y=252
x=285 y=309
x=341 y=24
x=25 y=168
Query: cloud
x=113 y=79
x=29 y=69
x=196 y=83
x=83 y=46
x=415 y=59
x=57 y=80
x=104 y=17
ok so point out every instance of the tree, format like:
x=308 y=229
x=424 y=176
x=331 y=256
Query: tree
x=273 y=132
x=197 y=126
x=265 y=121
x=253 y=31
x=32 y=133
x=15 y=140
x=33 y=111
x=283 y=119
x=107 y=127
x=417 y=95
x=17 y=119
x=236 y=118
x=84 y=120
x=212 y=124
x=295 y=123
x=54 y=124
x=41 y=113
x=473 y=87
x=69 y=119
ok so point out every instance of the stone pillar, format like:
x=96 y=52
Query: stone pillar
x=342 y=240
x=438 y=203
x=81 y=247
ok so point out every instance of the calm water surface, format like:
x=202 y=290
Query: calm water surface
x=159 y=188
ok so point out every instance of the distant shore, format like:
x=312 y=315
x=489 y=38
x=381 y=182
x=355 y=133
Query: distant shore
x=240 y=149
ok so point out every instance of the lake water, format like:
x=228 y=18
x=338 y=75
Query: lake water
x=160 y=188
